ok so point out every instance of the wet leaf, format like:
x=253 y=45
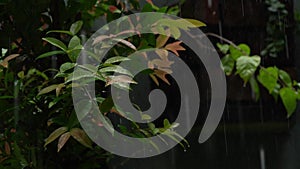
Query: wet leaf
x=55 y=134
x=66 y=66
x=285 y=77
x=116 y=59
x=268 y=78
x=246 y=66
x=48 y=89
x=74 y=42
x=62 y=140
x=244 y=50
x=167 y=123
x=56 y=42
x=289 y=99
x=228 y=64
x=75 y=27
x=224 y=48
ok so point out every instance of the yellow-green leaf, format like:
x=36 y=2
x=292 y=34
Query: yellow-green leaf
x=48 y=89
x=195 y=23
x=55 y=134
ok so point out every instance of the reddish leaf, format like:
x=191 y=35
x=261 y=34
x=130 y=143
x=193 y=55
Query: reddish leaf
x=7 y=148
x=81 y=137
x=175 y=47
x=4 y=63
x=125 y=42
x=162 y=53
x=62 y=140
x=154 y=79
x=58 y=88
x=113 y=9
x=162 y=63
x=119 y=79
x=100 y=38
x=162 y=75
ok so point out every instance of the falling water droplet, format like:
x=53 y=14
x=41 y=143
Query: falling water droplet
x=262 y=158
x=225 y=135
x=243 y=10
x=286 y=47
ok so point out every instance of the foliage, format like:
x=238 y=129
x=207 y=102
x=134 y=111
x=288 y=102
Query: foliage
x=278 y=82
x=276 y=26
x=40 y=127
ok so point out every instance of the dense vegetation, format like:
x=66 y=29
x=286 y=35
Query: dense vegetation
x=40 y=42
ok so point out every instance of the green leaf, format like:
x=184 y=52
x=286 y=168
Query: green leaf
x=48 y=89
x=224 y=48
x=56 y=52
x=55 y=134
x=166 y=124
x=244 y=50
x=73 y=54
x=268 y=78
x=75 y=41
x=116 y=59
x=285 y=77
x=56 y=42
x=289 y=99
x=254 y=87
x=146 y=117
x=66 y=66
x=246 y=66
x=81 y=137
x=80 y=74
x=75 y=27
x=147 y=8
x=116 y=69
x=228 y=64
